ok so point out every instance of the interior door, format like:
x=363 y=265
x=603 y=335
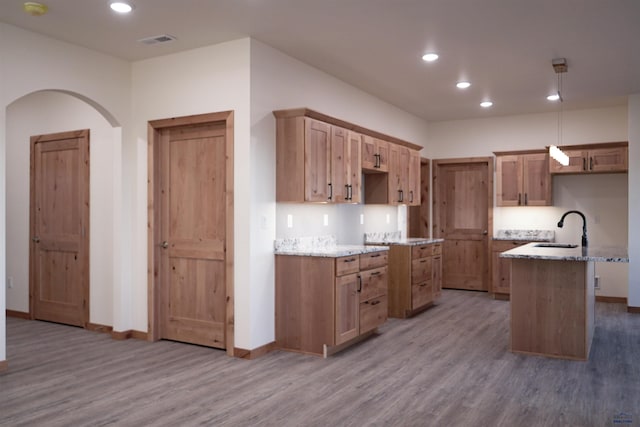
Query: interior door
x=462 y=203
x=59 y=260
x=193 y=223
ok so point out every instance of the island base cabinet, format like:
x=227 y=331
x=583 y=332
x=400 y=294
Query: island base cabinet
x=552 y=308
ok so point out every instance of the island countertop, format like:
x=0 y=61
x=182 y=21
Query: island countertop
x=589 y=253
x=332 y=251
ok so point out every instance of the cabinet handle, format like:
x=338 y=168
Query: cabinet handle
x=400 y=196
x=411 y=196
x=375 y=273
x=376 y=302
x=346 y=190
x=349 y=260
x=330 y=191
x=526 y=199
x=590 y=163
x=350 y=192
x=584 y=163
x=422 y=261
x=423 y=284
x=519 y=199
x=375 y=256
x=359 y=283
x=377 y=162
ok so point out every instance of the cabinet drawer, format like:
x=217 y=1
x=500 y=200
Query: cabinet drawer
x=421 y=294
x=420 y=270
x=436 y=249
x=374 y=283
x=373 y=260
x=373 y=313
x=421 y=251
x=347 y=264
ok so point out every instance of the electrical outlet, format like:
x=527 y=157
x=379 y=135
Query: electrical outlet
x=596 y=282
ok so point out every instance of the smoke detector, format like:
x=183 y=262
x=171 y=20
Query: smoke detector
x=559 y=65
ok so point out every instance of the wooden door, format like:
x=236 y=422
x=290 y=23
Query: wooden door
x=536 y=179
x=347 y=308
x=192 y=232
x=59 y=260
x=462 y=216
x=317 y=161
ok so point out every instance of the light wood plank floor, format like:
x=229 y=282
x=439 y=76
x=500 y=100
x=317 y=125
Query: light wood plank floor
x=448 y=366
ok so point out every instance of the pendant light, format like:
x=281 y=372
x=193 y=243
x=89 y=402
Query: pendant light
x=560 y=67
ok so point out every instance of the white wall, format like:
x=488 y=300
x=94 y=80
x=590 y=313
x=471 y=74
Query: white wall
x=205 y=80
x=603 y=198
x=50 y=112
x=281 y=82
x=30 y=63
x=634 y=200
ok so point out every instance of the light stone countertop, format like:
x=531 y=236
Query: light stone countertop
x=532 y=235
x=334 y=251
x=590 y=253
x=409 y=241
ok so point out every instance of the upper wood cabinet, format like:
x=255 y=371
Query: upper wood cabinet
x=316 y=162
x=375 y=154
x=595 y=158
x=402 y=183
x=523 y=179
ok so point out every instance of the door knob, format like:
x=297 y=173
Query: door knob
x=36 y=239
x=164 y=244
x=485 y=232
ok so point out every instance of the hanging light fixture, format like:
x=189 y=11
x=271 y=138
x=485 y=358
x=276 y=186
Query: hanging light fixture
x=560 y=67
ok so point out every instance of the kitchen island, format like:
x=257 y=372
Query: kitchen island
x=553 y=298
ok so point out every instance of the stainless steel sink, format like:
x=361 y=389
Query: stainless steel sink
x=556 y=245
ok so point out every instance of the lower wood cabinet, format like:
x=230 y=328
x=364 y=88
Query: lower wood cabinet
x=325 y=303
x=415 y=277
x=501 y=267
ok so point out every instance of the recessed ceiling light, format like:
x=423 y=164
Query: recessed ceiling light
x=463 y=85
x=429 y=57
x=486 y=104
x=121 y=7
x=554 y=97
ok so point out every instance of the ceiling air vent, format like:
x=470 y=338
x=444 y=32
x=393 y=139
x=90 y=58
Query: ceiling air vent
x=163 y=38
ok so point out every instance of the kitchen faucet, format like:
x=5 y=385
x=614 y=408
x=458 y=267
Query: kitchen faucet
x=584 y=225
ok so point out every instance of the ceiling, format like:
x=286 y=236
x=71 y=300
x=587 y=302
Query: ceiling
x=503 y=47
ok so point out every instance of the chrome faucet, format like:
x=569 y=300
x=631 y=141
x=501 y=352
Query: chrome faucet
x=584 y=224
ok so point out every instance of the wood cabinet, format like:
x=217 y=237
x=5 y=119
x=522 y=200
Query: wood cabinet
x=324 y=303
x=501 y=267
x=316 y=162
x=375 y=154
x=523 y=179
x=597 y=158
x=415 y=277
x=401 y=185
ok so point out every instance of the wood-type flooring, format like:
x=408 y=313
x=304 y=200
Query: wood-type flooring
x=449 y=366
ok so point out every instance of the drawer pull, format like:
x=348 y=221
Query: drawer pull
x=375 y=273
x=422 y=248
x=375 y=256
x=422 y=261
x=375 y=302
x=350 y=260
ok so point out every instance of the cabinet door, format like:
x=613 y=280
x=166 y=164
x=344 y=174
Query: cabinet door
x=509 y=180
x=382 y=149
x=395 y=180
x=347 y=308
x=317 y=161
x=436 y=275
x=608 y=159
x=414 y=178
x=354 y=162
x=536 y=180
x=577 y=162
x=375 y=154
x=340 y=155
x=501 y=280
